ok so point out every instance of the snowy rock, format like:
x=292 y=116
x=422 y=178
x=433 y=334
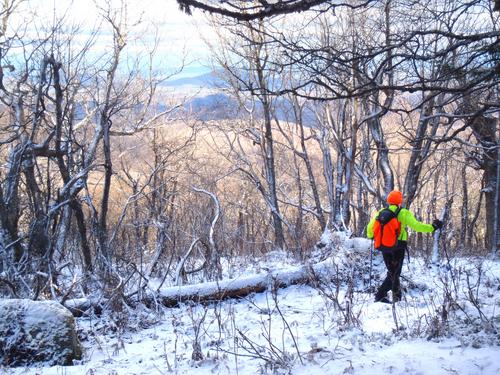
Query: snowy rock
x=361 y=244
x=357 y=244
x=340 y=237
x=334 y=239
x=37 y=331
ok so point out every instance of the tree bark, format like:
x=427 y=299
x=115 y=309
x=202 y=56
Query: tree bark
x=328 y=171
x=9 y=203
x=70 y=194
x=270 y=170
x=465 y=208
x=268 y=141
x=484 y=129
x=102 y=234
x=310 y=174
x=382 y=154
x=421 y=145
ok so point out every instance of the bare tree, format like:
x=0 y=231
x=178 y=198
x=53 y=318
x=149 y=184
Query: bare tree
x=252 y=76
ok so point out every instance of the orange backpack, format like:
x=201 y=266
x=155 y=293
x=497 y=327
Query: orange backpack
x=386 y=230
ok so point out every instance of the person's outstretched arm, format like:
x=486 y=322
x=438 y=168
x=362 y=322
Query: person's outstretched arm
x=413 y=223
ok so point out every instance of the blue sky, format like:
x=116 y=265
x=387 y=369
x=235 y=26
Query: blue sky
x=178 y=34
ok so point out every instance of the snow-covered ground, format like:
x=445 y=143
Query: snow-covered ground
x=448 y=323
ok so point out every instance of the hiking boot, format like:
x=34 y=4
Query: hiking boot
x=382 y=299
x=396 y=297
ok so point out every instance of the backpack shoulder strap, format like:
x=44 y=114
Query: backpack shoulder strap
x=386 y=209
x=385 y=215
x=398 y=232
x=398 y=210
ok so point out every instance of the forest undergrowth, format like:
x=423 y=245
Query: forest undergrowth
x=331 y=322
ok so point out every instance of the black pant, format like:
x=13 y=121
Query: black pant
x=394 y=264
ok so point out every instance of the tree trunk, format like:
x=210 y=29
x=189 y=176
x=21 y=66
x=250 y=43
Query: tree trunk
x=383 y=162
x=328 y=170
x=420 y=151
x=299 y=221
x=9 y=203
x=39 y=237
x=362 y=198
x=102 y=234
x=310 y=175
x=465 y=208
x=64 y=170
x=82 y=230
x=496 y=226
x=484 y=129
x=269 y=162
x=350 y=164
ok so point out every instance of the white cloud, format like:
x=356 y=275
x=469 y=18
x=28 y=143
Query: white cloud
x=178 y=33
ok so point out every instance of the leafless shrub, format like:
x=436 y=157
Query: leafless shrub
x=197 y=322
x=332 y=289
x=454 y=304
x=276 y=356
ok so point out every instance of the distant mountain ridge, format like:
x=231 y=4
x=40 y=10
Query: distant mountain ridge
x=207 y=80
x=217 y=105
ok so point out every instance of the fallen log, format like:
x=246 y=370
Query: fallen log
x=215 y=290
x=241 y=286
x=353 y=254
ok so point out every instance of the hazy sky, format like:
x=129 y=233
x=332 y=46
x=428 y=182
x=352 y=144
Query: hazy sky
x=179 y=34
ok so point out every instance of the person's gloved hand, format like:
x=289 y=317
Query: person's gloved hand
x=437 y=224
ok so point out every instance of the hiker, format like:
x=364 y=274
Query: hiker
x=388 y=230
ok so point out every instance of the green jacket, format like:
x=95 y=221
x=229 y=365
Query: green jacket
x=406 y=219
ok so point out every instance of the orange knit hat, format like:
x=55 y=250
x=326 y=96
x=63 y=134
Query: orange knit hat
x=395 y=197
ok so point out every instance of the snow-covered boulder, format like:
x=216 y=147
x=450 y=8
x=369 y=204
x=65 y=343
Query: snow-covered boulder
x=358 y=244
x=37 y=331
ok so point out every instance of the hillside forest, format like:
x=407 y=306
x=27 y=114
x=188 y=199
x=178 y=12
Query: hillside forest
x=110 y=178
